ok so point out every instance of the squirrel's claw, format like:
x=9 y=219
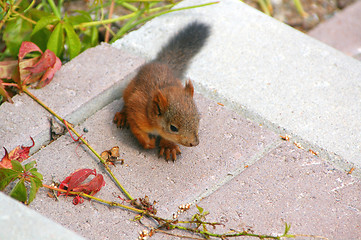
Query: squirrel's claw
x=169 y=148
x=120 y=119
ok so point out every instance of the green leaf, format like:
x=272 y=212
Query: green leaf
x=35 y=173
x=6 y=177
x=36 y=14
x=45 y=21
x=127 y=26
x=199 y=209
x=73 y=40
x=41 y=38
x=90 y=39
x=16 y=31
x=29 y=165
x=56 y=40
x=17 y=166
x=19 y=191
x=35 y=184
x=79 y=18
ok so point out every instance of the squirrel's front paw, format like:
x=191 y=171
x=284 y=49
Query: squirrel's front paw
x=120 y=119
x=169 y=148
x=149 y=144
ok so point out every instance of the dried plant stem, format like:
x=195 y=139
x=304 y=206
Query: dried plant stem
x=96 y=199
x=176 y=235
x=80 y=138
x=168 y=223
x=111 y=9
x=223 y=236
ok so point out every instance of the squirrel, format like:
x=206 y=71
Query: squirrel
x=155 y=101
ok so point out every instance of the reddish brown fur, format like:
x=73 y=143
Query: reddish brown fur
x=149 y=99
x=157 y=103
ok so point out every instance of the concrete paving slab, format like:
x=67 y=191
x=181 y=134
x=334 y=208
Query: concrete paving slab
x=290 y=186
x=228 y=143
x=270 y=73
x=81 y=87
x=341 y=31
x=248 y=67
x=19 y=222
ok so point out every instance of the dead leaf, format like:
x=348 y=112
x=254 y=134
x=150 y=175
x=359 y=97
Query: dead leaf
x=111 y=156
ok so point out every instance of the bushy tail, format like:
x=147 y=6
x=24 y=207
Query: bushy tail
x=182 y=47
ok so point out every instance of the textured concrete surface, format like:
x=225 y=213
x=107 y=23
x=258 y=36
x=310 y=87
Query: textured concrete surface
x=80 y=88
x=291 y=186
x=19 y=222
x=342 y=31
x=270 y=78
x=270 y=73
x=227 y=144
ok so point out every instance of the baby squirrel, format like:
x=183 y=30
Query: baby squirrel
x=157 y=103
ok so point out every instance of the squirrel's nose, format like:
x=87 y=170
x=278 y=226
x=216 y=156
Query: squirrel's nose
x=195 y=142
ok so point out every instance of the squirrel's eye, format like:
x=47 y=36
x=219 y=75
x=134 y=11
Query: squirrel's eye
x=173 y=128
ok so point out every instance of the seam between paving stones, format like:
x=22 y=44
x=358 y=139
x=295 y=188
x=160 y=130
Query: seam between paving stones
x=337 y=161
x=231 y=175
x=86 y=110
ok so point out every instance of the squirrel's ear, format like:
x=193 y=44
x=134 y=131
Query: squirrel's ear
x=160 y=103
x=189 y=88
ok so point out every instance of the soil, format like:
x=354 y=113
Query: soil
x=317 y=11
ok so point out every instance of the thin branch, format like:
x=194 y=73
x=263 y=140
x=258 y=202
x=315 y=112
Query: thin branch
x=111 y=9
x=81 y=138
x=96 y=199
x=176 y=235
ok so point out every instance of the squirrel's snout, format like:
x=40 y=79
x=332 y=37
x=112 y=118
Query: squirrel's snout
x=194 y=143
x=189 y=142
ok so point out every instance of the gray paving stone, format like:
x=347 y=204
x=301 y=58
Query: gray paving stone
x=86 y=84
x=291 y=186
x=227 y=142
x=270 y=73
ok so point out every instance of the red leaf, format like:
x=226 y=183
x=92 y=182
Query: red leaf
x=25 y=75
x=5 y=162
x=4 y=93
x=49 y=74
x=46 y=61
x=78 y=200
x=75 y=179
x=7 y=68
x=31 y=70
x=91 y=187
x=27 y=47
x=20 y=153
